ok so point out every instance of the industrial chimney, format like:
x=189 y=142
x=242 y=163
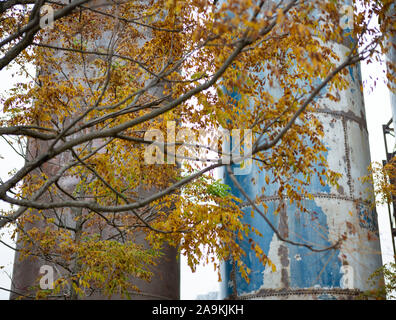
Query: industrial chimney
x=333 y=213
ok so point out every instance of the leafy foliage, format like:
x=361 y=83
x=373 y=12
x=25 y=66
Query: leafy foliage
x=108 y=74
x=384 y=279
x=383 y=178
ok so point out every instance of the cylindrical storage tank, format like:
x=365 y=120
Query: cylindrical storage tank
x=334 y=213
x=165 y=280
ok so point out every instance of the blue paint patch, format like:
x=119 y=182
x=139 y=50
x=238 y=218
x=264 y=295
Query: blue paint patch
x=257 y=268
x=351 y=73
x=250 y=260
x=226 y=285
x=326 y=297
x=368 y=218
x=314 y=186
x=312 y=268
x=235 y=95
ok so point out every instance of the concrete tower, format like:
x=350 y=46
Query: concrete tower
x=300 y=273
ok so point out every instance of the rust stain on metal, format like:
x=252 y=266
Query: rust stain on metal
x=283 y=224
x=349 y=115
x=351 y=228
x=283 y=251
x=340 y=294
x=283 y=254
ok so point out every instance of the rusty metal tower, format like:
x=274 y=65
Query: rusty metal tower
x=165 y=282
x=335 y=213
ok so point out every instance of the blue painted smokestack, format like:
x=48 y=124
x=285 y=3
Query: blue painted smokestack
x=300 y=273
